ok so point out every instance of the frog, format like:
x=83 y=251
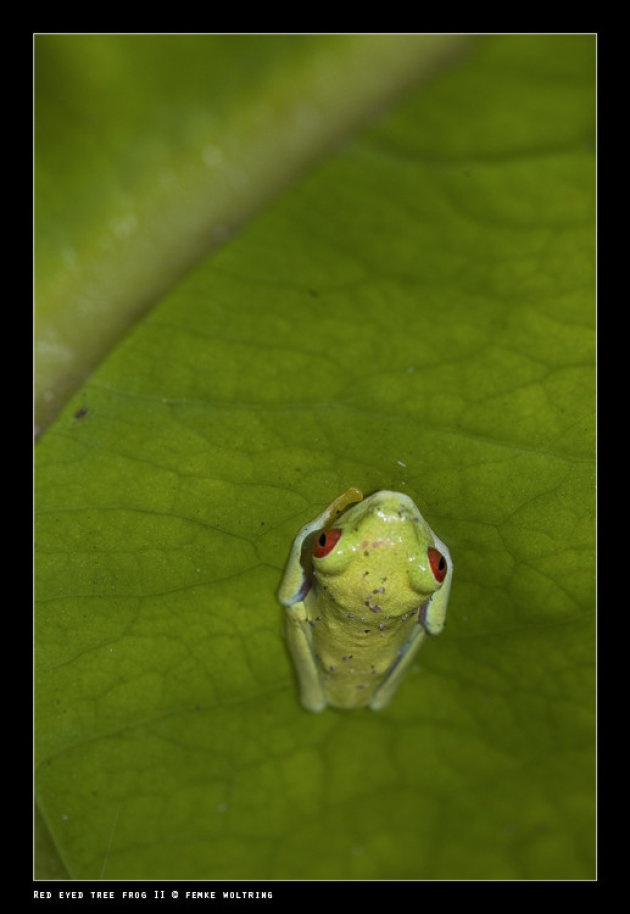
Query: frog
x=366 y=581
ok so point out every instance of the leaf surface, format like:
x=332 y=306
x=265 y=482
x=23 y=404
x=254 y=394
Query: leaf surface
x=415 y=314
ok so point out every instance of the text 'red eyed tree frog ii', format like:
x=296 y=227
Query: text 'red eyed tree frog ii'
x=362 y=587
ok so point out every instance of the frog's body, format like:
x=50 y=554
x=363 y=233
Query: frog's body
x=361 y=589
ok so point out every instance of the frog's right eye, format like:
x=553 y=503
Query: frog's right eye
x=326 y=542
x=438 y=564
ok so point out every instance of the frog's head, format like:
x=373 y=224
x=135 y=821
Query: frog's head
x=382 y=555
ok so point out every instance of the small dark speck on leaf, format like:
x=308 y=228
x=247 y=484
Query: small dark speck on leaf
x=81 y=412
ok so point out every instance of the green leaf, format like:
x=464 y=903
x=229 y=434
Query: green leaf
x=415 y=314
x=153 y=150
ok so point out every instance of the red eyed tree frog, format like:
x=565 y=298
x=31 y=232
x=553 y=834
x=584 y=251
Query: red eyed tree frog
x=362 y=588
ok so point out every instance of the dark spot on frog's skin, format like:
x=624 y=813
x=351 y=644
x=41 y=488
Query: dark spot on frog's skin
x=380 y=590
x=366 y=554
x=373 y=607
x=333 y=668
x=81 y=413
x=367 y=572
x=351 y=615
x=345 y=659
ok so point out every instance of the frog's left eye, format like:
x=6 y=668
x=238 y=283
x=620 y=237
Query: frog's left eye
x=438 y=564
x=326 y=542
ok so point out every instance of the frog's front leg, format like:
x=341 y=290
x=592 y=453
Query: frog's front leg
x=300 y=643
x=386 y=690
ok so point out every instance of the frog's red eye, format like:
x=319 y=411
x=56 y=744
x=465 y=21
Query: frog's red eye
x=326 y=542
x=438 y=564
